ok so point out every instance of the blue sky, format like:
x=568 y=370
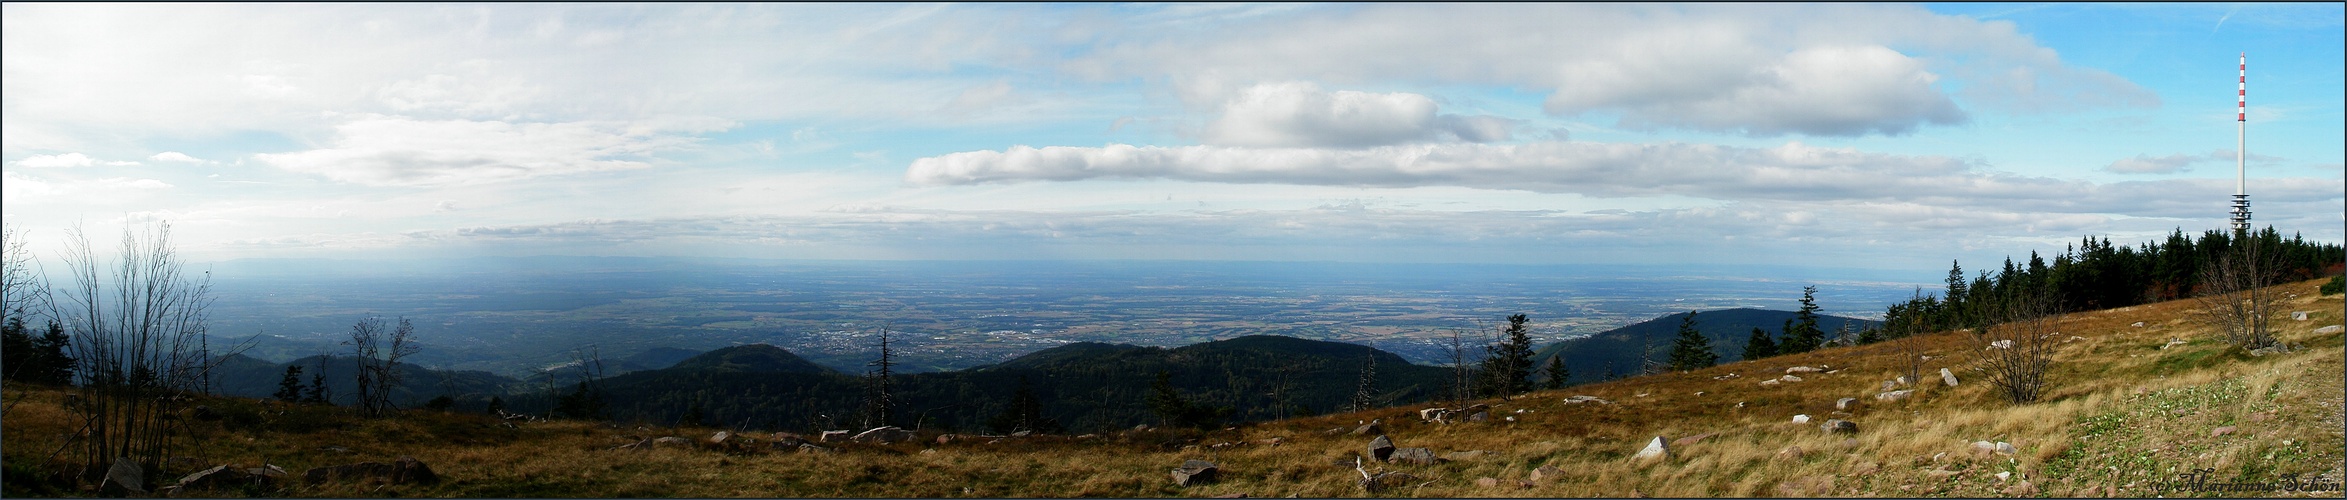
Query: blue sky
x=1881 y=136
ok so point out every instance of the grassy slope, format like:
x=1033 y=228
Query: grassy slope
x=2121 y=415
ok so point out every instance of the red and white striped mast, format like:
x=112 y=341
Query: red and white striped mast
x=2241 y=152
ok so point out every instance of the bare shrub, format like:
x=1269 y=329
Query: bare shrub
x=2235 y=298
x=136 y=336
x=377 y=349
x=2015 y=352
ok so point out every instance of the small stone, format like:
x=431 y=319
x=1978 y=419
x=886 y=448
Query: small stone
x=1547 y=473
x=2330 y=329
x=1790 y=378
x=2137 y=324
x=1194 y=472
x=1948 y=376
x=1487 y=482
x=1769 y=382
x=1479 y=417
x=126 y=476
x=1381 y=448
x=1903 y=380
x=1894 y=395
x=1864 y=468
x=2299 y=315
x=1845 y=403
x=1790 y=453
x=2002 y=476
x=1839 y=426
x=1372 y=427
x=2004 y=448
x=2220 y=431
x=1418 y=456
x=1803 y=369
x=1801 y=419
x=1655 y=450
x=833 y=436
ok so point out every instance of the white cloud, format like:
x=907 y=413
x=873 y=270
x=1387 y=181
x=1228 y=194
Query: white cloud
x=1300 y=114
x=1755 y=69
x=400 y=151
x=2180 y=162
x=176 y=157
x=28 y=190
x=68 y=160
x=1793 y=172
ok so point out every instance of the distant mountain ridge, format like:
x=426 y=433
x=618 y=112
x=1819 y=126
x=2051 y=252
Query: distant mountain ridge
x=1621 y=348
x=751 y=358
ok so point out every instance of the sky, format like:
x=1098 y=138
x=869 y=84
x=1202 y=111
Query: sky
x=1874 y=136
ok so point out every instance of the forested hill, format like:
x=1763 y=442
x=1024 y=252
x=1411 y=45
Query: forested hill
x=1624 y=349
x=1082 y=387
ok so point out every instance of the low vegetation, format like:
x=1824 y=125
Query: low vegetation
x=2133 y=399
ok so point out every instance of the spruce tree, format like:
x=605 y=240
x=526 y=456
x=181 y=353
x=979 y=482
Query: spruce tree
x=1508 y=369
x=289 y=389
x=1806 y=320
x=1557 y=374
x=1692 y=350
x=318 y=391
x=1025 y=413
x=1759 y=345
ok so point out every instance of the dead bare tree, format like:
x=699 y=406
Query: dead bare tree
x=1909 y=345
x=2015 y=353
x=135 y=334
x=2237 y=300
x=376 y=350
x=1365 y=394
x=1461 y=375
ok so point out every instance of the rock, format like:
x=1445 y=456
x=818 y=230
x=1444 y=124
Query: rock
x=1790 y=453
x=2269 y=350
x=2137 y=324
x=1586 y=399
x=1888 y=385
x=1430 y=414
x=2294 y=316
x=1789 y=378
x=946 y=438
x=1903 y=380
x=811 y=448
x=1806 y=486
x=1387 y=481
x=1547 y=473
x=671 y=441
x=1698 y=438
x=1417 y=456
x=125 y=476
x=1655 y=450
x=1487 y=482
x=719 y=438
x=1465 y=455
x=2001 y=344
x=1948 y=376
x=2022 y=489
x=1381 y=448
x=1369 y=428
x=1803 y=369
x=2220 y=431
x=403 y=471
x=1269 y=442
x=1865 y=468
x=1140 y=428
x=2007 y=449
x=1479 y=417
x=1846 y=403
x=1894 y=395
x=1839 y=426
x=1194 y=472
x=2002 y=476
x=1800 y=419
x=1769 y=382
x=2330 y=329
x=1982 y=449
x=884 y=435
x=833 y=436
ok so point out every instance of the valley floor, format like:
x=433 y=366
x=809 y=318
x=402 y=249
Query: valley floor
x=2126 y=414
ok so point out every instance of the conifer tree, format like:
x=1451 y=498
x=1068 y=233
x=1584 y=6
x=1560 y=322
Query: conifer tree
x=289 y=389
x=1508 y=369
x=1801 y=332
x=1557 y=373
x=1691 y=350
x=318 y=391
x=1759 y=345
x=1025 y=413
x=1365 y=394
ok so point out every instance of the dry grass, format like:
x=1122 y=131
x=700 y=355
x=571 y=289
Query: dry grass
x=2120 y=416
